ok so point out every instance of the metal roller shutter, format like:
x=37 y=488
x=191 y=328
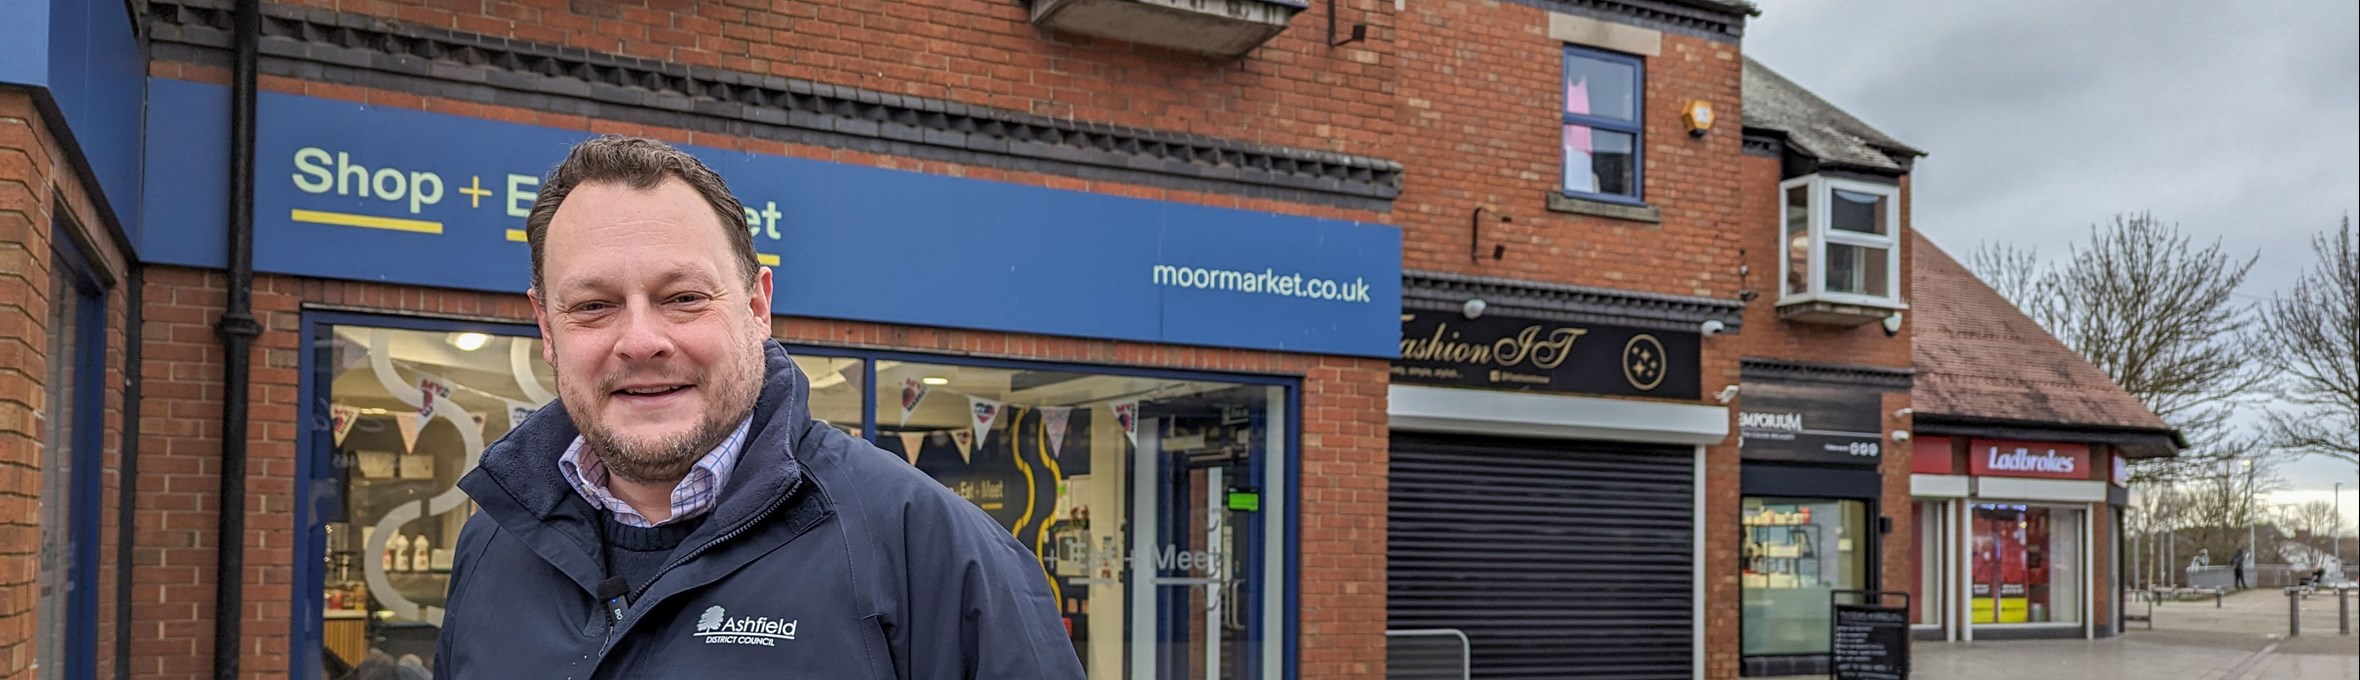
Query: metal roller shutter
x=1558 y=559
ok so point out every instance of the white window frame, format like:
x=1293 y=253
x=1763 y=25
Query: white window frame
x=1821 y=190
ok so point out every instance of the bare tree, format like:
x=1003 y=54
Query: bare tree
x=2153 y=312
x=2015 y=272
x=2311 y=341
x=2311 y=523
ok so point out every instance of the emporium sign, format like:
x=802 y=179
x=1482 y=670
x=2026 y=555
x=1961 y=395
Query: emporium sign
x=1540 y=355
x=1809 y=423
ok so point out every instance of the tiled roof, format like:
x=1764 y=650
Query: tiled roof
x=1977 y=356
x=1815 y=127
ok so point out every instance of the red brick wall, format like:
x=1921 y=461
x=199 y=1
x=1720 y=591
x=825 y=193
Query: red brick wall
x=1482 y=85
x=38 y=189
x=1294 y=91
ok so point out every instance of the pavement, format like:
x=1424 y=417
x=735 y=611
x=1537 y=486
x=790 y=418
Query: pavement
x=2244 y=639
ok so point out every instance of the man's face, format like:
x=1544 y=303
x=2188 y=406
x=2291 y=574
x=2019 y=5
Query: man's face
x=655 y=336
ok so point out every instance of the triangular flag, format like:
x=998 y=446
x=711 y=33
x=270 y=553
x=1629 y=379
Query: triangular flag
x=912 y=392
x=341 y=419
x=910 y=443
x=1053 y=419
x=346 y=354
x=985 y=413
x=431 y=389
x=407 y=423
x=966 y=442
x=1127 y=414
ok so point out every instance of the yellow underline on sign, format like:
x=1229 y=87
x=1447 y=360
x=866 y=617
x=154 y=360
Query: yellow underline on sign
x=366 y=221
x=516 y=235
x=767 y=259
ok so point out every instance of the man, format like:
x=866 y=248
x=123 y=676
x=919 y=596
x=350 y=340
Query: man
x=677 y=513
x=2237 y=567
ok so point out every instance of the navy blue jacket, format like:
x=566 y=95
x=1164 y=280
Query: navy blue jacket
x=826 y=559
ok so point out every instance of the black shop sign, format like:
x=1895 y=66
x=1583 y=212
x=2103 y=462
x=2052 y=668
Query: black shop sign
x=1538 y=355
x=1810 y=423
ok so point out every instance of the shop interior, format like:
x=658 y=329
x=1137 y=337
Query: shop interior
x=1797 y=553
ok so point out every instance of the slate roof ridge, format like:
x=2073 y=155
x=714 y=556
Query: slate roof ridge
x=1816 y=126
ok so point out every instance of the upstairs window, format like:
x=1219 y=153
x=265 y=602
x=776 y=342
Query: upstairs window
x=1842 y=242
x=1604 y=124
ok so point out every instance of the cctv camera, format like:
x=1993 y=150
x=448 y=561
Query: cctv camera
x=1474 y=308
x=1900 y=435
x=1712 y=327
x=1903 y=413
x=1726 y=394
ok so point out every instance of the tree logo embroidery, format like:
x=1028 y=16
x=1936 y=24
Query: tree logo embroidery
x=717 y=627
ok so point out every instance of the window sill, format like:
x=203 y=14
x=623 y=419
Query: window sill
x=1837 y=313
x=1559 y=202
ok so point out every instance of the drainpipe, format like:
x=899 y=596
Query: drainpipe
x=238 y=330
x=127 y=497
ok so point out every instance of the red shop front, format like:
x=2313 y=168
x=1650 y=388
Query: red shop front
x=2014 y=538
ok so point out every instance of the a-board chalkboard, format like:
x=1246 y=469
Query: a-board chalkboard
x=1870 y=642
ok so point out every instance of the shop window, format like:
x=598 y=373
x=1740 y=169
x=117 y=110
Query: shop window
x=1797 y=553
x=1149 y=500
x=1143 y=497
x=65 y=619
x=406 y=414
x=2027 y=565
x=1842 y=260
x=1604 y=124
x=837 y=386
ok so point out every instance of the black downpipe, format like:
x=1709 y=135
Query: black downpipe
x=238 y=330
x=127 y=496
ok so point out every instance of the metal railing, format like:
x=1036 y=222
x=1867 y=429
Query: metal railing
x=2256 y=576
x=1427 y=654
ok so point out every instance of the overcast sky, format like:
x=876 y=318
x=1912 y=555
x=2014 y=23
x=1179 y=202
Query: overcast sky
x=2239 y=121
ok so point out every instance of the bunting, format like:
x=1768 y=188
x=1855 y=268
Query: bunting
x=341 y=419
x=1126 y=413
x=1053 y=419
x=430 y=390
x=986 y=413
x=912 y=393
x=911 y=442
x=408 y=424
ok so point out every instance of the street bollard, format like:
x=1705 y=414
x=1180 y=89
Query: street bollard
x=2343 y=611
x=2294 y=612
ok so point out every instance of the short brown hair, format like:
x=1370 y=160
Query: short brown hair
x=641 y=164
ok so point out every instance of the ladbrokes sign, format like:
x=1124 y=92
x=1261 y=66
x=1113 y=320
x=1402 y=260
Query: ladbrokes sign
x=2001 y=458
x=1500 y=352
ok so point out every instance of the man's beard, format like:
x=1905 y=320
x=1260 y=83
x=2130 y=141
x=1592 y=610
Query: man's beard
x=667 y=460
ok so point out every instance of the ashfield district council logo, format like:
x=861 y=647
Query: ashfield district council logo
x=1643 y=361
x=718 y=628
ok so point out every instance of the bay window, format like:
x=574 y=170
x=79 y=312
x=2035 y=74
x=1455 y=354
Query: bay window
x=1841 y=260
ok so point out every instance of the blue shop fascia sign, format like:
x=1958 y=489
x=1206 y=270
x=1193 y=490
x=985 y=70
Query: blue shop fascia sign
x=347 y=191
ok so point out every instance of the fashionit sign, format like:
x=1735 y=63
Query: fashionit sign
x=2002 y=458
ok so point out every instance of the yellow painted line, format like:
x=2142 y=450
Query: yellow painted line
x=365 y=221
x=516 y=235
x=767 y=259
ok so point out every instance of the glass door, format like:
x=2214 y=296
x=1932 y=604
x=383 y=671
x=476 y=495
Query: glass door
x=1198 y=561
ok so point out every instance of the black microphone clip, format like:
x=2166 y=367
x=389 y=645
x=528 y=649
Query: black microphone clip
x=614 y=594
